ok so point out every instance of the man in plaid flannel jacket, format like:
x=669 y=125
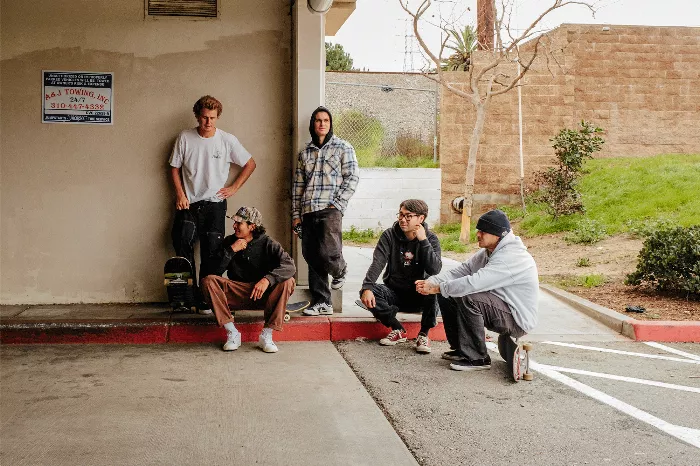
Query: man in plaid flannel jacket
x=326 y=177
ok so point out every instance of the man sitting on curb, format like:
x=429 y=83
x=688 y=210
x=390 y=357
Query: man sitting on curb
x=259 y=277
x=410 y=252
x=495 y=289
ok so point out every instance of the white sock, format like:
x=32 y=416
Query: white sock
x=230 y=327
x=266 y=331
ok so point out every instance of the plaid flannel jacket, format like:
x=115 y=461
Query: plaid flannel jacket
x=324 y=176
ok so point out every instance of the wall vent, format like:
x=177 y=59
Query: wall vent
x=187 y=8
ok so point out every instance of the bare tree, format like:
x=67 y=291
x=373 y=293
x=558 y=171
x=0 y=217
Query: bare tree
x=495 y=76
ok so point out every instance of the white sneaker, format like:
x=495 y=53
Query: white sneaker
x=233 y=341
x=266 y=344
x=319 y=309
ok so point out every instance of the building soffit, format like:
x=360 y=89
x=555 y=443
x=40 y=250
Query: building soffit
x=338 y=14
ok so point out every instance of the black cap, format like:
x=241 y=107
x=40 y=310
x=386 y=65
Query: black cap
x=494 y=222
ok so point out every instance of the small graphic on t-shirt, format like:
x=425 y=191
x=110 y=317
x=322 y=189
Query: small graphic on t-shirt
x=407 y=258
x=217 y=154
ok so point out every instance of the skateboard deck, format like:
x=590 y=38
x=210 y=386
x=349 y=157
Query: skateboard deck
x=179 y=282
x=295 y=307
x=358 y=302
x=516 y=356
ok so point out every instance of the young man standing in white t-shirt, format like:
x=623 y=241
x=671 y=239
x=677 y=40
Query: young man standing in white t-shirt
x=200 y=164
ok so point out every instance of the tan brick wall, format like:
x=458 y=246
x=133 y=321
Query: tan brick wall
x=640 y=84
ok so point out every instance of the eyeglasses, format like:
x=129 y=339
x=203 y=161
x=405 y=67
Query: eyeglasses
x=406 y=216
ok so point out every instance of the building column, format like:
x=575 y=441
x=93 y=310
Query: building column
x=309 y=92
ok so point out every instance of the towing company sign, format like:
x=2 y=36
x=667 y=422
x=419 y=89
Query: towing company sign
x=77 y=97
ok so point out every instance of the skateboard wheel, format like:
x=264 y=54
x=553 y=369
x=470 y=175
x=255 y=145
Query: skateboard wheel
x=527 y=346
x=528 y=376
x=287 y=317
x=189 y=282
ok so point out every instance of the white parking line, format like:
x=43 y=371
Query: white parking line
x=619 y=377
x=628 y=353
x=686 y=434
x=653 y=344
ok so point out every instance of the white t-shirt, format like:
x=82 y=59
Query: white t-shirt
x=205 y=162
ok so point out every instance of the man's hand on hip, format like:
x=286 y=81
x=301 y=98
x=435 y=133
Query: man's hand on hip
x=295 y=222
x=260 y=289
x=225 y=193
x=425 y=287
x=368 y=299
x=182 y=203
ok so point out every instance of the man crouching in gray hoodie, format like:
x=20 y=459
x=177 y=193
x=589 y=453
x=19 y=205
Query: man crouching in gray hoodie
x=495 y=289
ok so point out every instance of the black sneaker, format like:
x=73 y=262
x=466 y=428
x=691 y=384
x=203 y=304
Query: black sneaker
x=204 y=309
x=452 y=355
x=475 y=365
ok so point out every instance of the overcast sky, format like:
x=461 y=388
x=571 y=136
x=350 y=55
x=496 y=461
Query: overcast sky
x=375 y=34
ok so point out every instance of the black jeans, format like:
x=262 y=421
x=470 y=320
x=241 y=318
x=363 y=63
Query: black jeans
x=205 y=221
x=389 y=302
x=322 y=248
x=465 y=319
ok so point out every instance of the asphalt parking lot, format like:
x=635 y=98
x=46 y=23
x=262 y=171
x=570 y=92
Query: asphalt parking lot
x=626 y=403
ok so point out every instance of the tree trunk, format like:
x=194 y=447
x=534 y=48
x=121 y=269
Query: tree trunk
x=471 y=171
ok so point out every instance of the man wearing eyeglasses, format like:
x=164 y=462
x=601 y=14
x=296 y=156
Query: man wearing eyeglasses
x=410 y=252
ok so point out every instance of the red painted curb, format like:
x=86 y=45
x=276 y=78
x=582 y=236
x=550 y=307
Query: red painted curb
x=84 y=333
x=351 y=328
x=318 y=329
x=198 y=331
x=667 y=331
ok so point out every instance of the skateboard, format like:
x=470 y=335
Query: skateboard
x=180 y=284
x=517 y=363
x=294 y=307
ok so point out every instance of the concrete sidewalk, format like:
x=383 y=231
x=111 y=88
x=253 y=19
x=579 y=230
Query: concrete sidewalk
x=156 y=323
x=189 y=405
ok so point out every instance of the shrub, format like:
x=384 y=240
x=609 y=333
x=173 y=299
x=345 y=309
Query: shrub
x=583 y=262
x=558 y=185
x=365 y=133
x=645 y=227
x=361 y=236
x=411 y=146
x=586 y=232
x=670 y=261
x=593 y=280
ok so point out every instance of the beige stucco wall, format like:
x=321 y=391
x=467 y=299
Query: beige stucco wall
x=86 y=210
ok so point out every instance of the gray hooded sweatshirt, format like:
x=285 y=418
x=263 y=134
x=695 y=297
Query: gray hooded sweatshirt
x=509 y=272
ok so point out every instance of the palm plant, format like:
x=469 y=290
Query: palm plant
x=462 y=43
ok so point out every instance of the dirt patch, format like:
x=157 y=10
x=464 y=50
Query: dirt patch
x=562 y=265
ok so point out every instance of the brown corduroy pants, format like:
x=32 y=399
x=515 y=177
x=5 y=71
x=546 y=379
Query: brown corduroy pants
x=224 y=294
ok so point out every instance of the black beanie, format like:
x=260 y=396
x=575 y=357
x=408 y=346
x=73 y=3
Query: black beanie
x=494 y=222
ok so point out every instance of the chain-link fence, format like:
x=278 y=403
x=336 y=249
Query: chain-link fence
x=388 y=125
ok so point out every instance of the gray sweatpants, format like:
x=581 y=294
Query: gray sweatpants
x=466 y=317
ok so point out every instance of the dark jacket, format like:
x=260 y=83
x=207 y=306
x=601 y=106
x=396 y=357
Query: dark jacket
x=263 y=257
x=406 y=261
